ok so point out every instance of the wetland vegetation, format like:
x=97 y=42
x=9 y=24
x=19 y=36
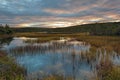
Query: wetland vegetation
x=9 y=70
x=43 y=56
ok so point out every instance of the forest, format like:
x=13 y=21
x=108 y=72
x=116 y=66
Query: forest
x=110 y=28
x=5 y=29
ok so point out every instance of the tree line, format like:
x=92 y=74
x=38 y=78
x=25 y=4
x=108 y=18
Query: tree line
x=5 y=29
x=110 y=28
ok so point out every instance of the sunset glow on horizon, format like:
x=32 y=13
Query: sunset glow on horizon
x=57 y=13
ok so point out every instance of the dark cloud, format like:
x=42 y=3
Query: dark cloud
x=57 y=13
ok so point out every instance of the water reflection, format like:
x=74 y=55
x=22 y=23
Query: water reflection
x=70 y=58
x=5 y=41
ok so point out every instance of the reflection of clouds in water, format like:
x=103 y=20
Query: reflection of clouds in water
x=19 y=46
x=88 y=75
x=56 y=68
x=69 y=58
x=116 y=59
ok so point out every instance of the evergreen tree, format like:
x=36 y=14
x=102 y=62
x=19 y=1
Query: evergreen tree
x=5 y=29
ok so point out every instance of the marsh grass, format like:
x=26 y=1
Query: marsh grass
x=37 y=34
x=39 y=48
x=108 y=42
x=42 y=40
x=97 y=41
x=89 y=56
x=57 y=77
x=9 y=70
x=106 y=70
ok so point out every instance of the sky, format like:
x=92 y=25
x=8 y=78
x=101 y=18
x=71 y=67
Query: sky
x=57 y=13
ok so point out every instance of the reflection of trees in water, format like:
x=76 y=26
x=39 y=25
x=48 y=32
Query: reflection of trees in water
x=5 y=41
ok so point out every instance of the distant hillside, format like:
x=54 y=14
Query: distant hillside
x=111 y=28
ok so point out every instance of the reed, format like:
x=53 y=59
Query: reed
x=9 y=70
x=107 y=71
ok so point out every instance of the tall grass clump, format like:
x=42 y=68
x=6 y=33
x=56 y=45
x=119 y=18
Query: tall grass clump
x=107 y=71
x=9 y=70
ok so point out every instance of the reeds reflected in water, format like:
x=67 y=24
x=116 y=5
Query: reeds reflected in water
x=67 y=60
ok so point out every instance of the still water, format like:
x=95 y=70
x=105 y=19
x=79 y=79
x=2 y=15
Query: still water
x=65 y=57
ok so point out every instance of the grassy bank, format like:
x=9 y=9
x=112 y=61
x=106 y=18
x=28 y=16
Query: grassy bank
x=9 y=70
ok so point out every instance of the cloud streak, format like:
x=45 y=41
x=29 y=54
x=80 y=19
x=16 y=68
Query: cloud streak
x=54 y=13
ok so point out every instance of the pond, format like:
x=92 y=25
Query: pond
x=66 y=57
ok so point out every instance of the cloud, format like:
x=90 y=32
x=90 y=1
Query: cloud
x=57 y=13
